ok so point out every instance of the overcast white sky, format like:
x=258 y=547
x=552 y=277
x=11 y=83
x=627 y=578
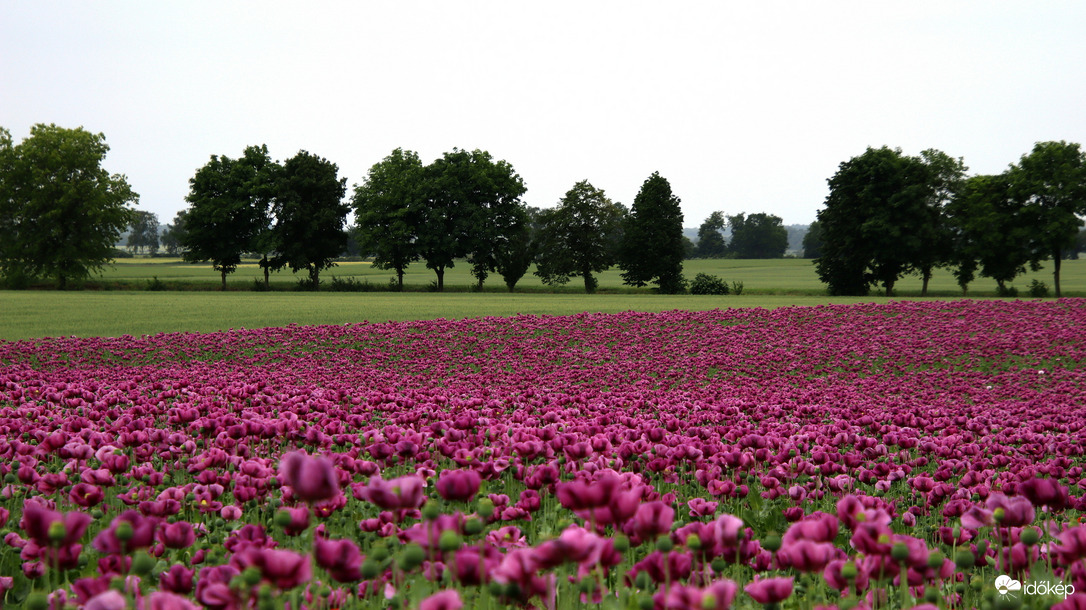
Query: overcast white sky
x=743 y=107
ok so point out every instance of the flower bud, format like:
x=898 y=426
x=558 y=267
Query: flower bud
x=1030 y=536
x=143 y=563
x=430 y=511
x=57 y=531
x=899 y=552
x=964 y=560
x=849 y=571
x=664 y=544
x=251 y=576
x=771 y=543
x=621 y=543
x=124 y=531
x=449 y=541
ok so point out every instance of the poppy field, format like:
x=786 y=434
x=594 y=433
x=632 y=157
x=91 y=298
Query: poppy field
x=895 y=455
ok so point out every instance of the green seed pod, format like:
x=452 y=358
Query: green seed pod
x=664 y=544
x=645 y=603
x=143 y=563
x=719 y=565
x=251 y=576
x=1030 y=536
x=643 y=581
x=485 y=508
x=931 y=595
x=849 y=571
x=771 y=543
x=282 y=519
x=473 y=526
x=899 y=552
x=964 y=560
x=449 y=541
x=370 y=569
x=621 y=543
x=431 y=511
x=124 y=531
x=935 y=559
x=57 y=531
x=379 y=552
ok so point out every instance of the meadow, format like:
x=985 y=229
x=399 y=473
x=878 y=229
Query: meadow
x=884 y=455
x=767 y=283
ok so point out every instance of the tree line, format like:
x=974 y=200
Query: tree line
x=464 y=207
x=889 y=214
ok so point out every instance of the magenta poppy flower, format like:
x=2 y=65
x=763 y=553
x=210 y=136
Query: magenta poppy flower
x=443 y=600
x=179 y=535
x=458 y=485
x=37 y=521
x=311 y=478
x=1045 y=492
x=284 y=569
x=107 y=600
x=177 y=579
x=652 y=519
x=396 y=494
x=143 y=534
x=806 y=555
x=1016 y=511
x=341 y=558
x=161 y=600
x=769 y=590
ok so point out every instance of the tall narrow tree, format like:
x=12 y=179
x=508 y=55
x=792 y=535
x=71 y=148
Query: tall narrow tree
x=652 y=246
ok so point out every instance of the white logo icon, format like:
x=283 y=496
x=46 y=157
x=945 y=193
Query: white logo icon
x=1005 y=584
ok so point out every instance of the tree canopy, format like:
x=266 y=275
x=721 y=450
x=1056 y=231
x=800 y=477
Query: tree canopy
x=228 y=211
x=652 y=247
x=61 y=212
x=757 y=236
x=310 y=216
x=383 y=211
x=579 y=237
x=1051 y=183
x=143 y=232
x=711 y=242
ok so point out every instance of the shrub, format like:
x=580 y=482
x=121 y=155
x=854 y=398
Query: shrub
x=350 y=285
x=737 y=288
x=708 y=284
x=1007 y=291
x=155 y=284
x=260 y=286
x=1038 y=289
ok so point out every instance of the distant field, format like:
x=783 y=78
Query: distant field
x=777 y=276
x=768 y=283
x=29 y=314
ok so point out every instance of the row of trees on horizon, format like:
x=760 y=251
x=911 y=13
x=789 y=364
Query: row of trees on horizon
x=887 y=214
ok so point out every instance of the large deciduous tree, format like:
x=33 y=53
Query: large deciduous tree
x=228 y=215
x=652 y=241
x=870 y=222
x=757 y=236
x=579 y=237
x=945 y=180
x=812 y=241
x=174 y=234
x=711 y=243
x=1051 y=182
x=384 y=207
x=60 y=212
x=310 y=216
x=470 y=208
x=143 y=232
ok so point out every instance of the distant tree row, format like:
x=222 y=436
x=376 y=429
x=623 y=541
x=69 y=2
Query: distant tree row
x=464 y=206
x=755 y=236
x=889 y=214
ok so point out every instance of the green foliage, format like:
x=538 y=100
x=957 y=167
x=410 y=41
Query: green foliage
x=708 y=284
x=737 y=287
x=870 y=224
x=1038 y=289
x=156 y=285
x=988 y=234
x=514 y=256
x=1051 y=183
x=579 y=237
x=143 y=232
x=383 y=210
x=60 y=212
x=651 y=249
x=174 y=235
x=229 y=205
x=470 y=209
x=350 y=284
x=711 y=242
x=757 y=236
x=812 y=241
x=310 y=216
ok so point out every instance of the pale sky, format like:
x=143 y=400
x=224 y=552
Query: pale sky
x=743 y=107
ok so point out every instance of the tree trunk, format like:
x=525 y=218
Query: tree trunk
x=315 y=278
x=926 y=273
x=589 y=282
x=224 y=280
x=888 y=286
x=264 y=264
x=440 y=271
x=1056 y=260
x=399 y=278
x=62 y=281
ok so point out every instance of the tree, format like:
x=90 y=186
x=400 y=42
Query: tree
x=383 y=207
x=578 y=237
x=946 y=177
x=310 y=216
x=143 y=232
x=514 y=255
x=1051 y=181
x=812 y=241
x=988 y=233
x=174 y=234
x=470 y=208
x=869 y=223
x=60 y=212
x=652 y=247
x=711 y=242
x=229 y=203
x=757 y=236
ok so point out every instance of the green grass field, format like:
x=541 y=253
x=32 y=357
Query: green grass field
x=768 y=283
x=777 y=276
